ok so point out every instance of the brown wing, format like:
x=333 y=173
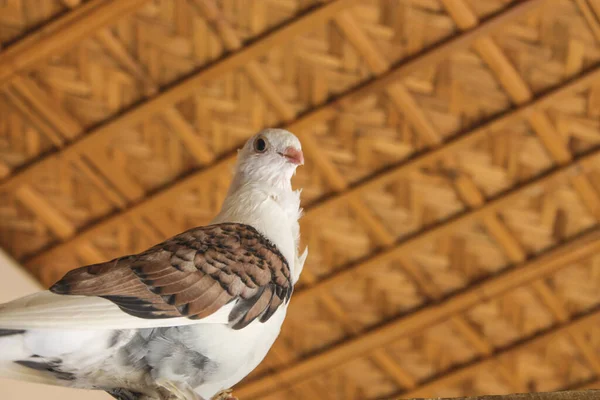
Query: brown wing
x=192 y=275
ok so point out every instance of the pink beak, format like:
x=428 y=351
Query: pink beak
x=294 y=156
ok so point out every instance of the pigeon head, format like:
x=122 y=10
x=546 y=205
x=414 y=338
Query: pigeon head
x=270 y=157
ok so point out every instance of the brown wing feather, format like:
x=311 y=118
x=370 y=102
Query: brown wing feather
x=192 y=275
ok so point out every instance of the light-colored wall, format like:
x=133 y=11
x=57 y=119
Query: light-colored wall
x=14 y=282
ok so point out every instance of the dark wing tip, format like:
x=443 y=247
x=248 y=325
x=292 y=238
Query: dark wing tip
x=125 y=394
x=61 y=287
x=48 y=366
x=10 y=332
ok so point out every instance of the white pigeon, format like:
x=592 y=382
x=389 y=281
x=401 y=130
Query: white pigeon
x=186 y=319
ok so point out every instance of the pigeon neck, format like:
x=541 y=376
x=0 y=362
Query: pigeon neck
x=277 y=182
x=244 y=196
x=273 y=212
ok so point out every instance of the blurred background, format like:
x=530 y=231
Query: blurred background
x=451 y=185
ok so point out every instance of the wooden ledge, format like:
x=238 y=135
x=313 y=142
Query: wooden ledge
x=566 y=395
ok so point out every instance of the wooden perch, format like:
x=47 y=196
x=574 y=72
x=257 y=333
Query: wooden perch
x=567 y=395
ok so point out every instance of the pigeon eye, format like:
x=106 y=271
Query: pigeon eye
x=260 y=145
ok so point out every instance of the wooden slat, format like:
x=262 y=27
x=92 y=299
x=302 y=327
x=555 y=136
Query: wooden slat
x=90 y=254
x=282 y=352
x=61 y=34
x=72 y=3
x=460 y=12
x=270 y=91
x=555 y=259
x=423 y=282
x=471 y=335
x=213 y=15
x=39 y=100
x=588 y=194
x=586 y=350
x=374 y=59
x=391 y=367
x=377 y=229
x=337 y=311
x=314 y=391
x=559 y=311
x=44 y=128
x=593 y=384
x=595 y=6
x=232 y=42
x=592 y=20
x=551 y=301
x=468 y=191
x=106 y=189
x=194 y=143
x=4 y=170
x=512 y=377
x=507 y=74
x=505 y=239
x=514 y=84
x=326 y=167
x=552 y=140
x=475 y=199
x=404 y=101
x=130 y=64
x=39 y=206
x=128 y=187
x=510 y=79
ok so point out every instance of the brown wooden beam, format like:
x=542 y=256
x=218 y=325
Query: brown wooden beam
x=566 y=395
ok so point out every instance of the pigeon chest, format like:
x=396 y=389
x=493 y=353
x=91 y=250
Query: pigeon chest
x=233 y=354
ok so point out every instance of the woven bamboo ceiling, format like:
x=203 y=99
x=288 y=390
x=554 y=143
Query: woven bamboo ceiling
x=451 y=188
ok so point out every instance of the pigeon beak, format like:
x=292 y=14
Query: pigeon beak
x=294 y=156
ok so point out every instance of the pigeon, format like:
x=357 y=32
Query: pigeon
x=185 y=319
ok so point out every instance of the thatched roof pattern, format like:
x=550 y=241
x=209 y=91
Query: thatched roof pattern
x=452 y=181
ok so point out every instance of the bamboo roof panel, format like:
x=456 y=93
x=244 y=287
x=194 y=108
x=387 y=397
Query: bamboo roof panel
x=451 y=186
